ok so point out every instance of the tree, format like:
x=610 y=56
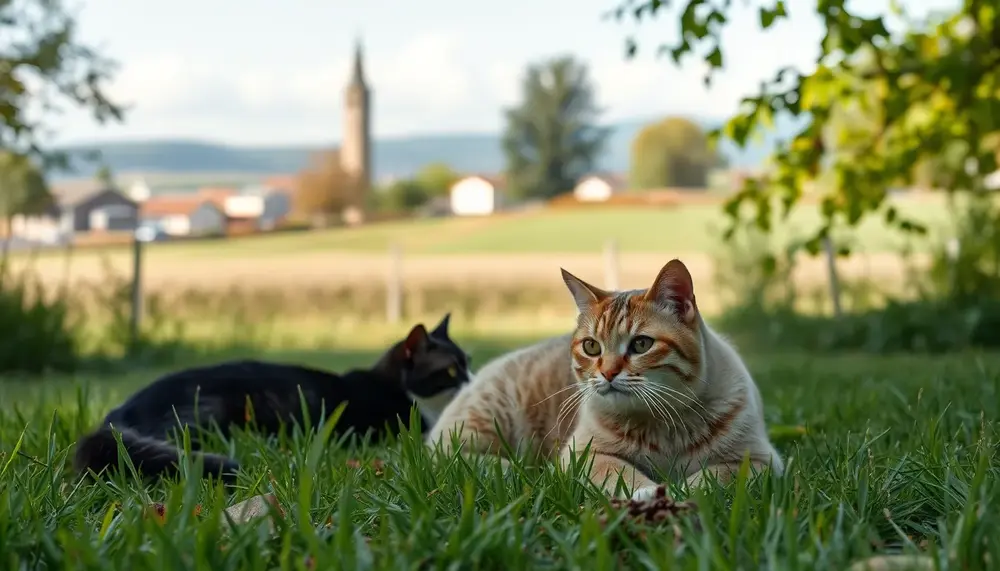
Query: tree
x=551 y=138
x=105 y=176
x=931 y=91
x=404 y=195
x=325 y=189
x=42 y=68
x=672 y=152
x=436 y=179
x=23 y=189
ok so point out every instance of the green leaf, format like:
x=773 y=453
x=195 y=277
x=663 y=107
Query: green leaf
x=714 y=59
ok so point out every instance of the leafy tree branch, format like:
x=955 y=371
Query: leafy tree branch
x=929 y=94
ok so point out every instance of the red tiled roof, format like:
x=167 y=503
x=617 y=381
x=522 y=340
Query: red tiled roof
x=171 y=205
x=289 y=182
x=218 y=195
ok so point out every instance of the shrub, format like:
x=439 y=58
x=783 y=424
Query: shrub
x=956 y=303
x=37 y=330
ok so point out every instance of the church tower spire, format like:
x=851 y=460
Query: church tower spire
x=358 y=71
x=355 y=148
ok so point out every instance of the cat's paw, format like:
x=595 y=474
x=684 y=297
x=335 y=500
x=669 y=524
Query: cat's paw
x=646 y=493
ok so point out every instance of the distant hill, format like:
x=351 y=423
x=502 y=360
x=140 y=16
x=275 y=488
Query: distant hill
x=393 y=157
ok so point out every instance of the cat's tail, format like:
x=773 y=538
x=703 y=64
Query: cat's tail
x=151 y=457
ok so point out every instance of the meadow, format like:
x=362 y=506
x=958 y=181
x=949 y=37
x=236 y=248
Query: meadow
x=499 y=257
x=885 y=455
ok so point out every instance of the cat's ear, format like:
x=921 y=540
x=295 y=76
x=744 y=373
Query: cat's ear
x=415 y=341
x=441 y=329
x=584 y=294
x=673 y=287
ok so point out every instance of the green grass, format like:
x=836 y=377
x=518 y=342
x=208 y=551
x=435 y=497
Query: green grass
x=900 y=455
x=687 y=228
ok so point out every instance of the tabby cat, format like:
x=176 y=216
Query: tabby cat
x=425 y=369
x=643 y=379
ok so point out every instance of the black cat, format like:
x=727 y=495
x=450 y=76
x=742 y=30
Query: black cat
x=423 y=369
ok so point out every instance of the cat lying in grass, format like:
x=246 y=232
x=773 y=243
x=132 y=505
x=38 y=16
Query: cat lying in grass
x=642 y=379
x=425 y=369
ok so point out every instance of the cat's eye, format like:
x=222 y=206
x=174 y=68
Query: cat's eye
x=452 y=372
x=591 y=347
x=640 y=344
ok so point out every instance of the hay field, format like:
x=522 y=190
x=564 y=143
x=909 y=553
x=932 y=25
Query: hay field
x=506 y=250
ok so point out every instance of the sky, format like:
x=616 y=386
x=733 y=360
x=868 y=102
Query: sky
x=264 y=72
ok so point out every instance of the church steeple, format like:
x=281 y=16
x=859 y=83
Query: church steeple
x=356 y=144
x=358 y=73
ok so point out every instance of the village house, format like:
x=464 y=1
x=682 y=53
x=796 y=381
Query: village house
x=183 y=215
x=476 y=195
x=599 y=187
x=253 y=208
x=276 y=204
x=78 y=208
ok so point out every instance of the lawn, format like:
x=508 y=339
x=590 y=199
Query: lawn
x=521 y=248
x=684 y=228
x=899 y=455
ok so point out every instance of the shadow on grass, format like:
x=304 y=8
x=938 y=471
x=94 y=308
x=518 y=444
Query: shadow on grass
x=122 y=377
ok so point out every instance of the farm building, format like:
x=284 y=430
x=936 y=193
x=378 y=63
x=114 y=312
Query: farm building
x=256 y=207
x=183 y=215
x=78 y=208
x=599 y=187
x=476 y=195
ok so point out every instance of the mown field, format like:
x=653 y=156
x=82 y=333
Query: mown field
x=509 y=252
x=898 y=455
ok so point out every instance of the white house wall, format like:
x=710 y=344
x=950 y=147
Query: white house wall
x=36 y=228
x=277 y=205
x=593 y=189
x=176 y=224
x=472 y=197
x=244 y=206
x=205 y=220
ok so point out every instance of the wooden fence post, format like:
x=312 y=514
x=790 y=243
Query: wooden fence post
x=953 y=248
x=612 y=268
x=831 y=265
x=394 y=285
x=135 y=323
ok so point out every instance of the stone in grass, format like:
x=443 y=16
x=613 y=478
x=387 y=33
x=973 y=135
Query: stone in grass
x=654 y=511
x=894 y=563
x=251 y=509
x=243 y=512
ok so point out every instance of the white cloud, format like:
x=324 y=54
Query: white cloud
x=423 y=86
x=430 y=84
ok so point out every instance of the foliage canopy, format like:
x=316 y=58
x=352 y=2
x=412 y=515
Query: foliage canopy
x=930 y=92
x=673 y=152
x=44 y=68
x=551 y=138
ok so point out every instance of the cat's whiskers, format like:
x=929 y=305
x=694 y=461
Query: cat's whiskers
x=642 y=387
x=567 y=405
x=665 y=414
x=693 y=402
x=665 y=402
x=576 y=411
x=670 y=395
x=692 y=397
x=642 y=396
x=559 y=392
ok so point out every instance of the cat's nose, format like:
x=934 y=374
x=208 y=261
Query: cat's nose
x=609 y=373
